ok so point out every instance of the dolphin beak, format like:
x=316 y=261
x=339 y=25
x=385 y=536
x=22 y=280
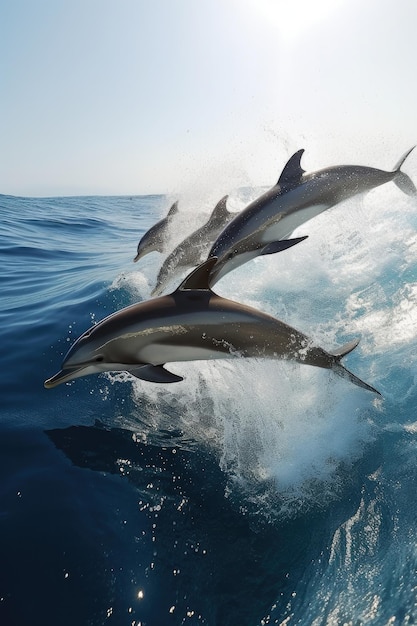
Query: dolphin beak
x=61 y=377
x=137 y=257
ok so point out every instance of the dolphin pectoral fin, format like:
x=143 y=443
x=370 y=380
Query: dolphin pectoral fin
x=292 y=172
x=282 y=244
x=155 y=374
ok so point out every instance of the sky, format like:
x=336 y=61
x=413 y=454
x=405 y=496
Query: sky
x=160 y=96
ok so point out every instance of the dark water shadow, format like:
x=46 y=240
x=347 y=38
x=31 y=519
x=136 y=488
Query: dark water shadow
x=206 y=561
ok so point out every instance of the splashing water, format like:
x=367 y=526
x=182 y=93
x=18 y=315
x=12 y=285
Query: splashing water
x=254 y=491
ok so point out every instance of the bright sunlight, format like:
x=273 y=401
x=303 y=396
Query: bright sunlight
x=294 y=18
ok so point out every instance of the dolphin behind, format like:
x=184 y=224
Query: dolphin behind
x=191 y=324
x=194 y=248
x=154 y=240
x=265 y=223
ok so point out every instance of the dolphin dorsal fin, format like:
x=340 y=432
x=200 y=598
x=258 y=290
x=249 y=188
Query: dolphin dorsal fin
x=199 y=278
x=173 y=209
x=220 y=209
x=292 y=172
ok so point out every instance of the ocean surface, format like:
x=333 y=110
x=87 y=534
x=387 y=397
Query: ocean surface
x=251 y=493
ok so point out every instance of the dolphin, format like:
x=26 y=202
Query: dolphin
x=194 y=248
x=265 y=225
x=190 y=324
x=154 y=240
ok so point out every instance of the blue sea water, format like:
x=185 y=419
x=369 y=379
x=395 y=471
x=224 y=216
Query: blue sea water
x=251 y=493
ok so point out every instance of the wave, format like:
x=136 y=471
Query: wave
x=308 y=477
x=336 y=298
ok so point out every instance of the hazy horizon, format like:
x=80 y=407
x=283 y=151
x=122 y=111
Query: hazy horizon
x=137 y=98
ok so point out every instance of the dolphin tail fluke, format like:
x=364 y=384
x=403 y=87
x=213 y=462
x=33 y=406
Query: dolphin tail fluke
x=347 y=348
x=403 y=158
x=341 y=370
x=403 y=181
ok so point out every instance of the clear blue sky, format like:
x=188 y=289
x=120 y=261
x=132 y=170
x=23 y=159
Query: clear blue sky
x=152 y=96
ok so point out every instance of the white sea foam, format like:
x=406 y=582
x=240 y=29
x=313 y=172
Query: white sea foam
x=293 y=425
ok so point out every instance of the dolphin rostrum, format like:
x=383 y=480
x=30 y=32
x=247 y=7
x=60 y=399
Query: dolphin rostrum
x=193 y=323
x=264 y=226
x=194 y=248
x=154 y=240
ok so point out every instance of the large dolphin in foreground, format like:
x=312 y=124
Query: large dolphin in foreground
x=154 y=240
x=265 y=224
x=193 y=249
x=192 y=323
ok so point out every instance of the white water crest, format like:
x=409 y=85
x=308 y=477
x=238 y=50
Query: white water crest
x=292 y=426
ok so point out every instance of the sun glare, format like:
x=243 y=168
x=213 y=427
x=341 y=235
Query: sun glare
x=293 y=18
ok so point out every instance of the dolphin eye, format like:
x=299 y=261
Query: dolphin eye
x=99 y=359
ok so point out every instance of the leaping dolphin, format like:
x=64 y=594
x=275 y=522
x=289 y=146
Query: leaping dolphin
x=154 y=240
x=264 y=226
x=193 y=249
x=193 y=323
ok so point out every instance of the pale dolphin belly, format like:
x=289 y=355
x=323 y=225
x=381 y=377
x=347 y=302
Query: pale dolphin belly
x=157 y=354
x=290 y=221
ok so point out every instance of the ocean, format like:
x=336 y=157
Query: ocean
x=251 y=493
